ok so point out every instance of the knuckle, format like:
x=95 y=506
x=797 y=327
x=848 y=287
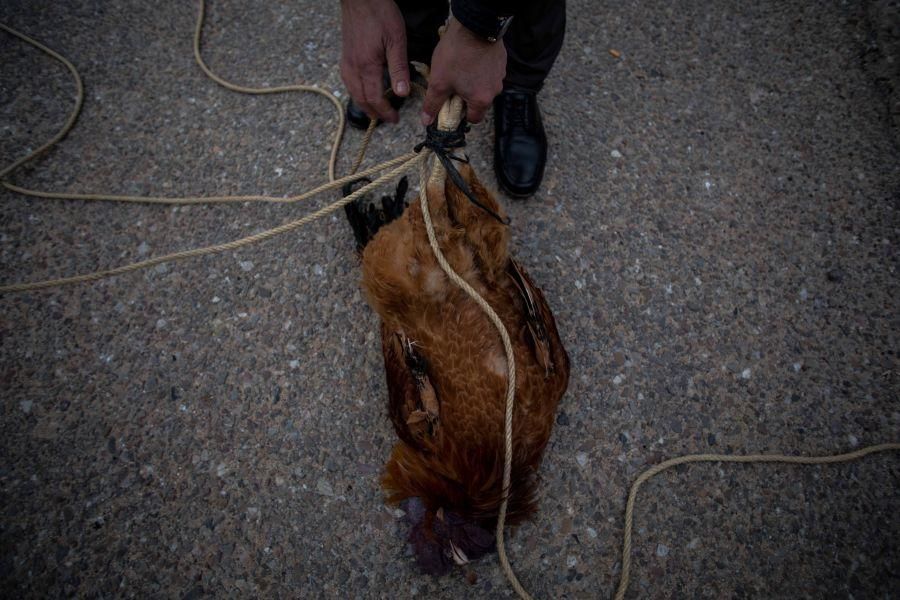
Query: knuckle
x=371 y=75
x=478 y=104
x=373 y=103
x=380 y=103
x=395 y=30
x=394 y=37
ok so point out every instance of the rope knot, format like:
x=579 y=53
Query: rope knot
x=442 y=143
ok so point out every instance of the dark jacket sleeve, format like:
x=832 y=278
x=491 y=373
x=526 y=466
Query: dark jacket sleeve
x=481 y=16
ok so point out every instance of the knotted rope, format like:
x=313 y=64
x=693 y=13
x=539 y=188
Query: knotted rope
x=442 y=143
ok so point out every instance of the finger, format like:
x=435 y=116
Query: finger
x=359 y=97
x=378 y=104
x=478 y=105
x=475 y=111
x=398 y=66
x=350 y=77
x=435 y=97
x=355 y=89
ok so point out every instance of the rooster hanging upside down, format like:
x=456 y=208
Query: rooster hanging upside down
x=446 y=368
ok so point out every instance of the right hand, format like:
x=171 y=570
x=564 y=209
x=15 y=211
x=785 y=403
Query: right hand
x=468 y=66
x=374 y=34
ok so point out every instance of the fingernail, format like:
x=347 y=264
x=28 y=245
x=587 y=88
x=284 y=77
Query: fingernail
x=402 y=88
x=426 y=118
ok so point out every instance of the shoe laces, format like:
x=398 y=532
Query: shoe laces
x=517 y=110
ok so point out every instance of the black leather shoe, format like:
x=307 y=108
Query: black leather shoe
x=358 y=119
x=520 y=144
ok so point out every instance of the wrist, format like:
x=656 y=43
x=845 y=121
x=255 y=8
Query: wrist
x=456 y=30
x=482 y=22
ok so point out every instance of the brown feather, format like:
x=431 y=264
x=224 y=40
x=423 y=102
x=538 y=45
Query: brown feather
x=538 y=333
x=453 y=457
x=428 y=398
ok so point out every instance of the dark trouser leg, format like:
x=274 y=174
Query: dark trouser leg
x=423 y=18
x=533 y=41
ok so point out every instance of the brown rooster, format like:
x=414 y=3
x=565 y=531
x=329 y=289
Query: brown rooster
x=446 y=368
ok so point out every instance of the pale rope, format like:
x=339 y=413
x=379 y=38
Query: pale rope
x=338 y=134
x=73 y=116
x=188 y=200
x=405 y=162
x=695 y=458
x=448 y=119
x=409 y=165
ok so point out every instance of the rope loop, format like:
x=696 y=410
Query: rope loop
x=442 y=142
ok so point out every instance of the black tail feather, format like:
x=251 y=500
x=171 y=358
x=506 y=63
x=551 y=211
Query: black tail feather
x=365 y=218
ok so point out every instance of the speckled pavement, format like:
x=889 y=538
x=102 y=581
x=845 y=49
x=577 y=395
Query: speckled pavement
x=717 y=234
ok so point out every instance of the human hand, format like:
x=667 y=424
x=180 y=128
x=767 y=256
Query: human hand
x=373 y=33
x=468 y=66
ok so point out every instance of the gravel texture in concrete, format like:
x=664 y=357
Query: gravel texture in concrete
x=717 y=234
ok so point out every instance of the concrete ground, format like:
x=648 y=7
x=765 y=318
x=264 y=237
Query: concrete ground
x=717 y=234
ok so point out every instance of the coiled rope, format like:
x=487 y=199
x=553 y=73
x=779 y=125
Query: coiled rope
x=391 y=169
x=724 y=458
x=449 y=118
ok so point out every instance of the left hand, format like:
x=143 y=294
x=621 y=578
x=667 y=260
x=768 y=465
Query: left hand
x=468 y=66
x=372 y=34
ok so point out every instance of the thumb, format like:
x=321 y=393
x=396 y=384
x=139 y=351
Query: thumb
x=398 y=66
x=434 y=99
